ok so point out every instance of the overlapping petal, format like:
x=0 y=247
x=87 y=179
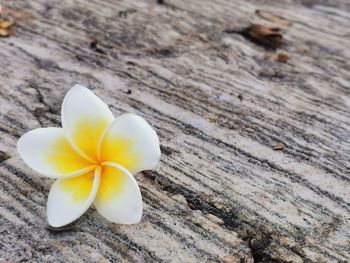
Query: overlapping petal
x=84 y=119
x=130 y=142
x=70 y=198
x=47 y=151
x=119 y=198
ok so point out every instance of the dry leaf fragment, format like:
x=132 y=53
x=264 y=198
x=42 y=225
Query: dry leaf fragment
x=4 y=24
x=5 y=32
x=212 y=117
x=4 y=28
x=268 y=37
x=273 y=18
x=282 y=57
x=278 y=146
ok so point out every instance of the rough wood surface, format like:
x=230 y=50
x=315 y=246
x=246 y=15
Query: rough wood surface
x=219 y=104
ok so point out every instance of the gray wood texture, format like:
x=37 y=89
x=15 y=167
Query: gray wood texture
x=219 y=104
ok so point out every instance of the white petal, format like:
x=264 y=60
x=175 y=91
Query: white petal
x=47 y=151
x=119 y=198
x=70 y=198
x=84 y=119
x=131 y=142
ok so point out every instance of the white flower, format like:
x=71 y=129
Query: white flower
x=93 y=157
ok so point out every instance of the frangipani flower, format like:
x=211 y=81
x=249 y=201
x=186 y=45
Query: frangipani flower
x=94 y=158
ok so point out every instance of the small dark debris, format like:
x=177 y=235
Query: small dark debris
x=94 y=45
x=161 y=2
x=232 y=31
x=224 y=58
x=192 y=206
x=258 y=246
x=161 y=52
x=240 y=97
x=165 y=52
x=149 y=174
x=127 y=12
x=258 y=242
x=79 y=57
x=46 y=63
x=129 y=91
x=4 y=156
x=68 y=228
x=39 y=112
x=166 y=150
x=271 y=74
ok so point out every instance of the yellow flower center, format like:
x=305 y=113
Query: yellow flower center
x=111 y=183
x=66 y=160
x=89 y=156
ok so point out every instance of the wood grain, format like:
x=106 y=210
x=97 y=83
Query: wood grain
x=219 y=103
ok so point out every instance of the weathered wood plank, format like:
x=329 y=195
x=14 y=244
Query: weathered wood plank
x=220 y=193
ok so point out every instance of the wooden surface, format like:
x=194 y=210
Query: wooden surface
x=219 y=104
